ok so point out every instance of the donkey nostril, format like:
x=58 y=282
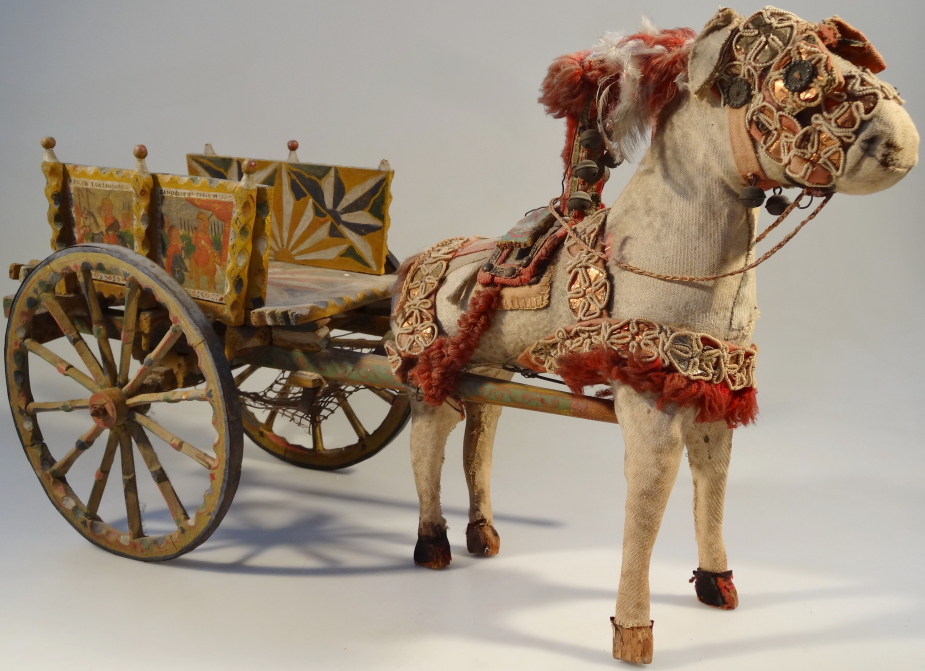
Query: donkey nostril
x=890 y=156
x=870 y=144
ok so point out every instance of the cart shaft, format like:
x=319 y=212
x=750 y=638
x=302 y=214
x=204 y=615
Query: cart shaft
x=373 y=370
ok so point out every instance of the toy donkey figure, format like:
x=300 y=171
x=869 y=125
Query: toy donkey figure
x=655 y=296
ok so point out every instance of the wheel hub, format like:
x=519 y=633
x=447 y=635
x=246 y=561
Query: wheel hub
x=108 y=408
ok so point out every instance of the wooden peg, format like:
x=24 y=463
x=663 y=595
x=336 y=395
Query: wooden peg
x=293 y=145
x=208 y=151
x=248 y=167
x=141 y=153
x=384 y=165
x=48 y=144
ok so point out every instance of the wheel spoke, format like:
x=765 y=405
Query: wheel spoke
x=63 y=406
x=244 y=374
x=177 y=511
x=384 y=394
x=317 y=439
x=151 y=362
x=176 y=443
x=61 y=365
x=177 y=396
x=130 y=485
x=102 y=474
x=267 y=423
x=351 y=416
x=99 y=327
x=73 y=336
x=129 y=322
x=60 y=469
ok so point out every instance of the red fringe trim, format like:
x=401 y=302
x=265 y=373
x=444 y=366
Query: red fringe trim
x=437 y=370
x=573 y=79
x=715 y=401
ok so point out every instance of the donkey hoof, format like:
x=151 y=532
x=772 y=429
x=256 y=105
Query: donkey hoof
x=482 y=539
x=632 y=644
x=715 y=589
x=433 y=551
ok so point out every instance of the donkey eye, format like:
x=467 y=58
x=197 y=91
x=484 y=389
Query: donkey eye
x=799 y=75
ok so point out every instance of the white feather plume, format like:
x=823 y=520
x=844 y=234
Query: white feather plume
x=625 y=126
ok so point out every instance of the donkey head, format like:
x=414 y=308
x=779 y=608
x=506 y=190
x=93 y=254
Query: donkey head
x=808 y=96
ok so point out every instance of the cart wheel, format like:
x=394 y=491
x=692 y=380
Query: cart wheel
x=114 y=406
x=319 y=427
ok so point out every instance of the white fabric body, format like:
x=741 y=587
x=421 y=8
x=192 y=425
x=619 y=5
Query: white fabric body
x=680 y=214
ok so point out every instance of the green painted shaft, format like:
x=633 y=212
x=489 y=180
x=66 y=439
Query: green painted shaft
x=373 y=370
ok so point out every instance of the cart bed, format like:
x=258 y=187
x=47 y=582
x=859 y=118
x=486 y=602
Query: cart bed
x=297 y=294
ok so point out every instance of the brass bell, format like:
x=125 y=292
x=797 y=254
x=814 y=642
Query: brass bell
x=579 y=200
x=751 y=196
x=591 y=138
x=587 y=170
x=777 y=204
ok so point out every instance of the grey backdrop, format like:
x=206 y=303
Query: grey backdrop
x=312 y=570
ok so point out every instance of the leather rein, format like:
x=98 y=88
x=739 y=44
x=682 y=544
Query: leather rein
x=749 y=167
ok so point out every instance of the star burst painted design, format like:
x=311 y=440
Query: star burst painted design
x=327 y=216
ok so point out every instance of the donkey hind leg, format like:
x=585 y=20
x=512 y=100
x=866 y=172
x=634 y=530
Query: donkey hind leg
x=430 y=427
x=654 y=444
x=708 y=450
x=481 y=423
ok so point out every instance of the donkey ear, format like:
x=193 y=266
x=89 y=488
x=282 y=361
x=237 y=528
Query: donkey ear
x=709 y=48
x=851 y=44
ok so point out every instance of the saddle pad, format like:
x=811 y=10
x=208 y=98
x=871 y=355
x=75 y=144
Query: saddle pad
x=528 y=230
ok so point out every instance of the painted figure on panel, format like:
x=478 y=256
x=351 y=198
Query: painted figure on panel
x=94 y=210
x=193 y=241
x=174 y=262
x=205 y=258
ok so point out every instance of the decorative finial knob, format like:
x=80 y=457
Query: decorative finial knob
x=140 y=151
x=293 y=157
x=48 y=144
x=248 y=167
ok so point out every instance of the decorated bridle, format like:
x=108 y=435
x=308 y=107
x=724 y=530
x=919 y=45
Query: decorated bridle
x=778 y=78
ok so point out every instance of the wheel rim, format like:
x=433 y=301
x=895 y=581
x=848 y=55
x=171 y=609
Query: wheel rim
x=323 y=428
x=122 y=410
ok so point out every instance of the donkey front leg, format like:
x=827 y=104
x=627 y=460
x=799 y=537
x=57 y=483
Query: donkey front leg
x=654 y=444
x=481 y=423
x=430 y=427
x=709 y=447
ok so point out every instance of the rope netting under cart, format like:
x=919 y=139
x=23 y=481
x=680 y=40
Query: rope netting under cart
x=295 y=403
x=300 y=405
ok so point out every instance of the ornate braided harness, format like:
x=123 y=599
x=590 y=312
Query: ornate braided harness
x=778 y=78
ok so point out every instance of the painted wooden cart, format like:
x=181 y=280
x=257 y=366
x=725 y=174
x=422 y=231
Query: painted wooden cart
x=252 y=294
